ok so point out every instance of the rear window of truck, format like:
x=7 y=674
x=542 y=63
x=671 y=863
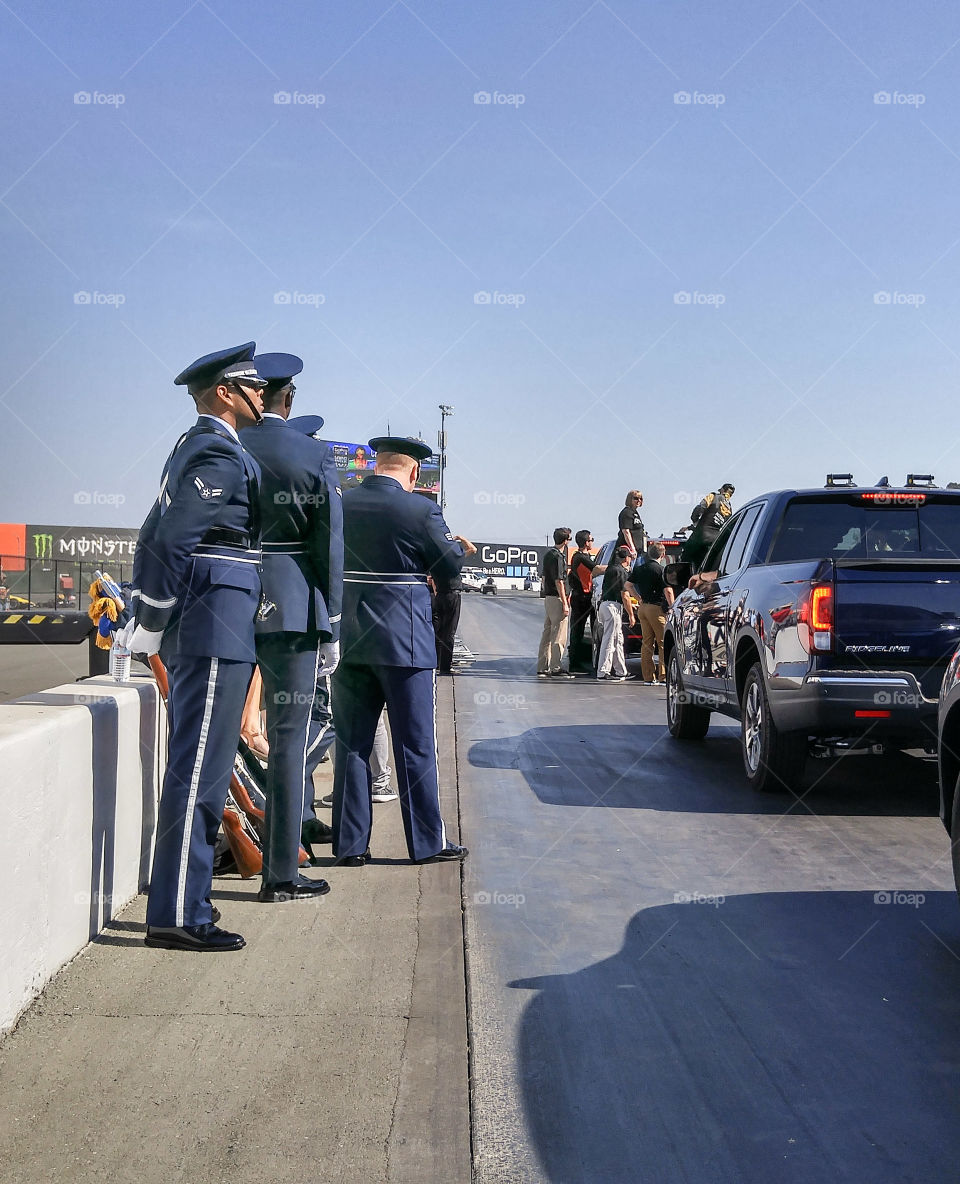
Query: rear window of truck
x=849 y=530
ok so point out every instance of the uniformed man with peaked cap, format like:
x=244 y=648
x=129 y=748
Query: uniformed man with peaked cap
x=393 y=540
x=196 y=576
x=298 y=633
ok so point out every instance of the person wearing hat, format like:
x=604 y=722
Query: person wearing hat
x=709 y=517
x=196 y=590
x=298 y=630
x=393 y=541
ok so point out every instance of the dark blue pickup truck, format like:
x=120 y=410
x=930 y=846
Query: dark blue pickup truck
x=829 y=624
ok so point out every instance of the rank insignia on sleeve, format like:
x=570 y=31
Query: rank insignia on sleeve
x=206 y=491
x=450 y=538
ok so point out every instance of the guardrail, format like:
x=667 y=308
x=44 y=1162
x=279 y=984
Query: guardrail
x=82 y=768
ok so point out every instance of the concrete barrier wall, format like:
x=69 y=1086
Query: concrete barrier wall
x=80 y=773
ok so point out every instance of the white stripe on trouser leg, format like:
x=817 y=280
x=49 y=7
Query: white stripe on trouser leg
x=320 y=735
x=436 y=761
x=194 y=783
x=306 y=736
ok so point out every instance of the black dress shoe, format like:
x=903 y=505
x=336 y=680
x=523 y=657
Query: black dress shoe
x=314 y=831
x=451 y=851
x=192 y=937
x=354 y=860
x=215 y=914
x=299 y=889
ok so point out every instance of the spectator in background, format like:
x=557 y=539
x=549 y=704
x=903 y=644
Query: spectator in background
x=446 y=613
x=583 y=568
x=631 y=532
x=556 y=608
x=709 y=517
x=646 y=583
x=614 y=599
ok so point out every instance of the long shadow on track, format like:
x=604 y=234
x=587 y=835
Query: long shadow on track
x=639 y=766
x=799 y=1037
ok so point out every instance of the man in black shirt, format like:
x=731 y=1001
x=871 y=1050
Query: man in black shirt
x=631 y=532
x=583 y=568
x=614 y=599
x=556 y=608
x=646 y=583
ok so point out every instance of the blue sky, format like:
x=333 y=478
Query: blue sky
x=680 y=244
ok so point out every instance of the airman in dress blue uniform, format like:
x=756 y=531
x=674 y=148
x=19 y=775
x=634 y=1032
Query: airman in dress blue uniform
x=393 y=539
x=196 y=576
x=298 y=632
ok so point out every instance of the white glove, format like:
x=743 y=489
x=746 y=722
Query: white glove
x=329 y=657
x=144 y=641
x=122 y=636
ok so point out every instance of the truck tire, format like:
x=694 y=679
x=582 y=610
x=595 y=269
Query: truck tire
x=686 y=721
x=772 y=760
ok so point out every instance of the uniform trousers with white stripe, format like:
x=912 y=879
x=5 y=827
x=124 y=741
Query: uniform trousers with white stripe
x=320 y=739
x=204 y=709
x=288 y=663
x=359 y=694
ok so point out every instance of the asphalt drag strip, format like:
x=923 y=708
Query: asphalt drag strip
x=672 y=978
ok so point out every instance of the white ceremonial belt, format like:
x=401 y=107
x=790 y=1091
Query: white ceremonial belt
x=384 y=577
x=233 y=554
x=283 y=548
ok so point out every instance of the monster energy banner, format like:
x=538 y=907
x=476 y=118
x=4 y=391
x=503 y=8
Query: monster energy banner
x=79 y=543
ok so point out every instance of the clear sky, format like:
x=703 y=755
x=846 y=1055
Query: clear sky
x=719 y=241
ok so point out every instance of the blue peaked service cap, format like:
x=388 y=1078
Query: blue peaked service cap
x=230 y=365
x=310 y=425
x=278 y=369
x=405 y=445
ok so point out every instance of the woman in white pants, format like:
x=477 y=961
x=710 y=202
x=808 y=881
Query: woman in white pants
x=613 y=600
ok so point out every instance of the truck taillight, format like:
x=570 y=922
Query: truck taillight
x=816 y=619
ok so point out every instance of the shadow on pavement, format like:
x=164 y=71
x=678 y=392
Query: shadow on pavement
x=774 y=1037
x=640 y=766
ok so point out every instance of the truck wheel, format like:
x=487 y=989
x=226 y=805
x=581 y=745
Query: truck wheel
x=686 y=721
x=773 y=760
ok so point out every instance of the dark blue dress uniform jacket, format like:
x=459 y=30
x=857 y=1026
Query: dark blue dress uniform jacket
x=302 y=524
x=391 y=538
x=204 y=594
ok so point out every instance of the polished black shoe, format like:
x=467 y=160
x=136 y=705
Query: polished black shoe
x=450 y=852
x=314 y=831
x=299 y=889
x=354 y=860
x=192 y=937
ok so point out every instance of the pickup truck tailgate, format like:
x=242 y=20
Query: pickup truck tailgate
x=898 y=615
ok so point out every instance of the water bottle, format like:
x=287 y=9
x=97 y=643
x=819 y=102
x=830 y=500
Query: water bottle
x=119 y=662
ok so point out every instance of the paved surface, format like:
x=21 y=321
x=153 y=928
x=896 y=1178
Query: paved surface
x=780 y=1027
x=28 y=668
x=332 y=1048
x=669 y=979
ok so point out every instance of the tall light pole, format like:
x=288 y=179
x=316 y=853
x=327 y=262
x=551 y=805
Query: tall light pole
x=445 y=410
